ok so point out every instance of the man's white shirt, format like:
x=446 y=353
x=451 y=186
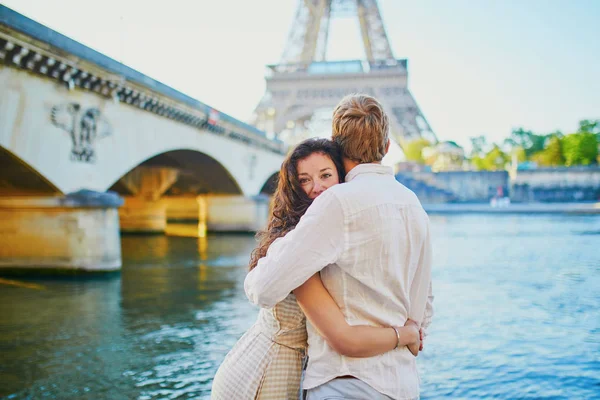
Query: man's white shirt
x=370 y=239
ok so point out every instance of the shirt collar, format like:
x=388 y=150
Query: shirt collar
x=362 y=169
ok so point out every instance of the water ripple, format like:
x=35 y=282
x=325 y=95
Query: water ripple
x=516 y=316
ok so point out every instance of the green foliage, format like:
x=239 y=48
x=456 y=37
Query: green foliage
x=413 y=150
x=556 y=149
x=478 y=145
x=589 y=126
x=552 y=155
x=478 y=163
x=494 y=160
x=527 y=140
x=580 y=148
x=551 y=150
x=520 y=153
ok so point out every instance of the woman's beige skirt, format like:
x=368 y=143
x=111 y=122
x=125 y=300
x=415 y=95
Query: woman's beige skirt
x=258 y=368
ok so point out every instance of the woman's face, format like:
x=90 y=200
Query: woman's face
x=317 y=173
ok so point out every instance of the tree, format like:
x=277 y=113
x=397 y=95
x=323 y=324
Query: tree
x=478 y=145
x=413 y=150
x=554 y=149
x=589 y=126
x=494 y=160
x=552 y=155
x=580 y=149
x=520 y=153
x=528 y=140
x=478 y=163
x=556 y=133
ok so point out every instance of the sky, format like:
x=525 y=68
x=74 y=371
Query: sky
x=475 y=67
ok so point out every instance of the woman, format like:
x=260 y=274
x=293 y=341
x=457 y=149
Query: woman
x=266 y=363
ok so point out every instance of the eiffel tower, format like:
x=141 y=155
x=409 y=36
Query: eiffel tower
x=304 y=82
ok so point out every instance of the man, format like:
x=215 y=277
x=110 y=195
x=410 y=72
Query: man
x=370 y=239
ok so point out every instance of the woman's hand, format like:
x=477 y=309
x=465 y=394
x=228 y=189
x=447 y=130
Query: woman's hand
x=351 y=340
x=416 y=335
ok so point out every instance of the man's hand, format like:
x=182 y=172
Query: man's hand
x=421 y=337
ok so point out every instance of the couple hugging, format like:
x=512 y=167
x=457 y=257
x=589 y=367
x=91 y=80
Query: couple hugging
x=342 y=270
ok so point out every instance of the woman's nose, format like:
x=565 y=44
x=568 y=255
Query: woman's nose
x=318 y=188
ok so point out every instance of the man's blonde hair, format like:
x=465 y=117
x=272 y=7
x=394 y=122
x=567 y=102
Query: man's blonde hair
x=360 y=128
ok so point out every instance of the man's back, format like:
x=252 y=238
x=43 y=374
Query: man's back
x=381 y=278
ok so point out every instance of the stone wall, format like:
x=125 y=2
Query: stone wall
x=473 y=186
x=575 y=184
x=455 y=186
x=556 y=185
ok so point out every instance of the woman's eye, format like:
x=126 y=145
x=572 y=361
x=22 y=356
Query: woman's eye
x=326 y=176
x=303 y=181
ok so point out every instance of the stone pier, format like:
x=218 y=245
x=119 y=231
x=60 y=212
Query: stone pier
x=219 y=213
x=186 y=215
x=145 y=211
x=236 y=213
x=74 y=232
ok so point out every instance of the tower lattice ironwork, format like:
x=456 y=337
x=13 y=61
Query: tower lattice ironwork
x=304 y=82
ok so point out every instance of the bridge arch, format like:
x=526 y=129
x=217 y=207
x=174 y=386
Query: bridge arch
x=197 y=173
x=20 y=178
x=270 y=185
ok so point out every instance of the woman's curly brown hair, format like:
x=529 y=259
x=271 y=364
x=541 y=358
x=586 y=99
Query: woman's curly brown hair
x=290 y=202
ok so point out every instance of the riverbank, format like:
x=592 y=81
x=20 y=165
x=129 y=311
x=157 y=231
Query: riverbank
x=518 y=208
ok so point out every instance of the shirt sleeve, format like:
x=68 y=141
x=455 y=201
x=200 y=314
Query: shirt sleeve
x=421 y=297
x=316 y=242
x=429 y=311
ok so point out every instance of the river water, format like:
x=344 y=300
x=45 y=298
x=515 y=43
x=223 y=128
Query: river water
x=517 y=316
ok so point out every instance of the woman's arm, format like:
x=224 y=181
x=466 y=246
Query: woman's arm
x=353 y=341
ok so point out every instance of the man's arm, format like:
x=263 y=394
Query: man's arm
x=317 y=241
x=429 y=311
x=421 y=297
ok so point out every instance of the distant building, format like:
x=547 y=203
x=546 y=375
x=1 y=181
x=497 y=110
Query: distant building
x=445 y=156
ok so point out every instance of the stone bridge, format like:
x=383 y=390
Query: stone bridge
x=75 y=124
